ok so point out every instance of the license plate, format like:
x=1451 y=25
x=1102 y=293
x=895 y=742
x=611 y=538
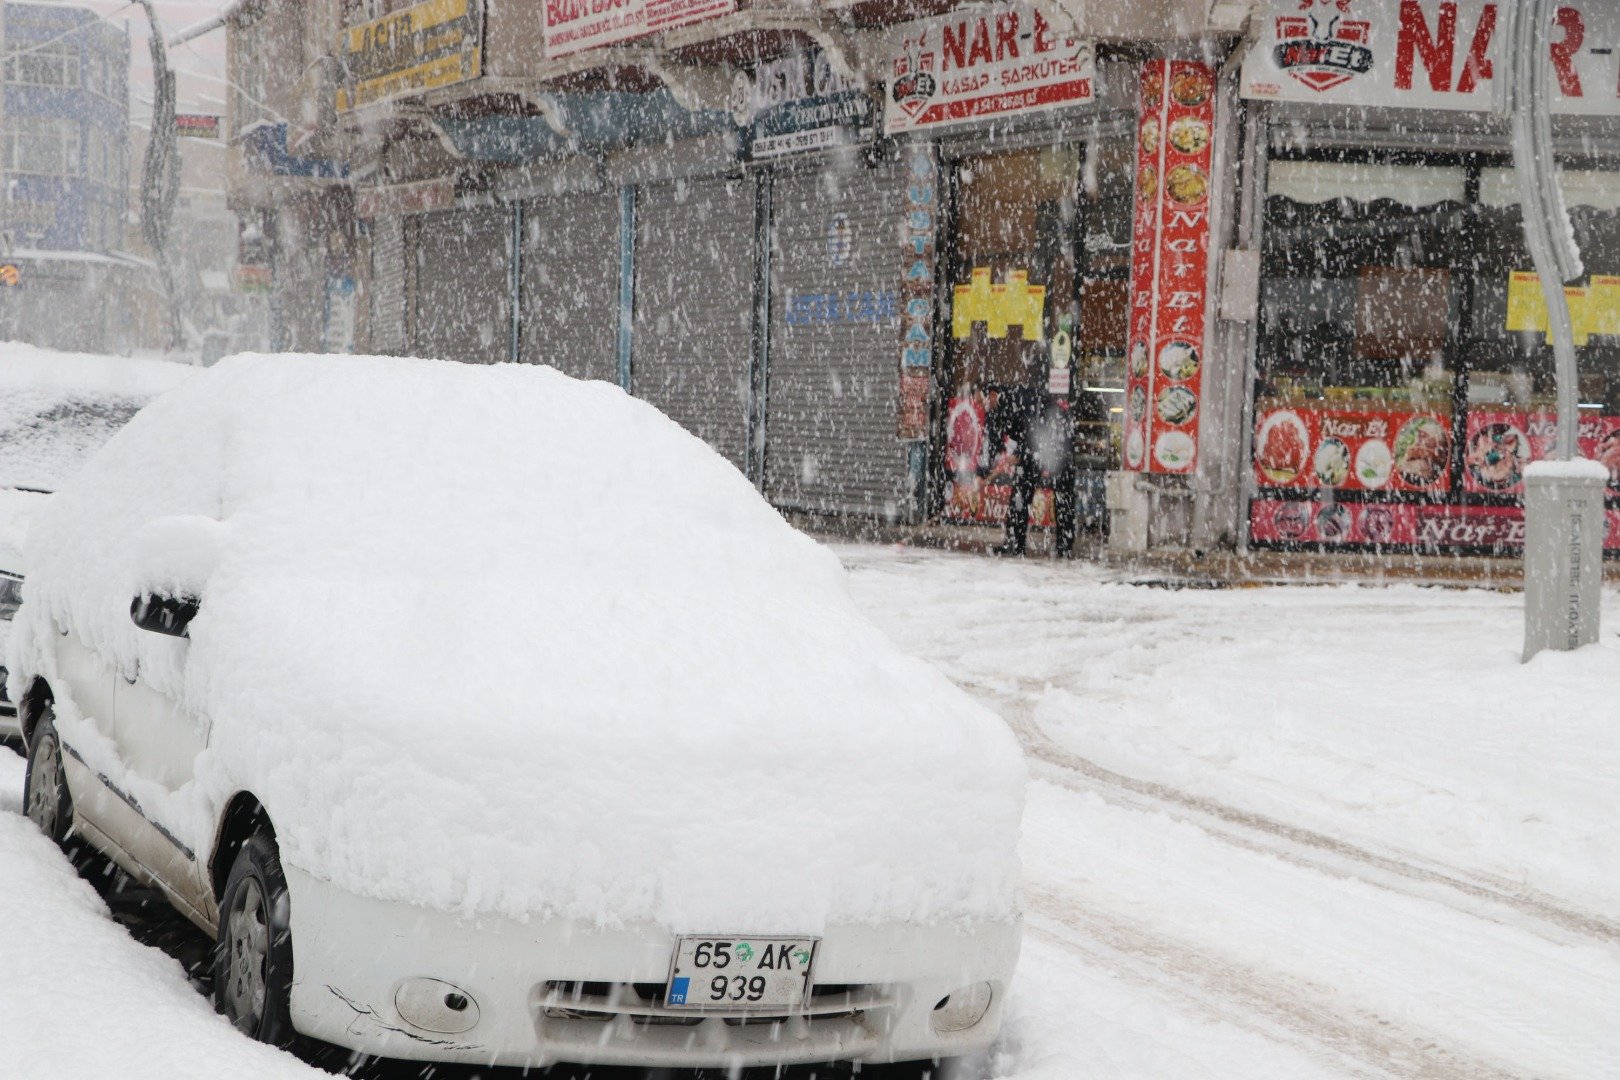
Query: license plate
x=740 y=973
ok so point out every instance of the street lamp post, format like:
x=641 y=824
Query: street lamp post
x=1563 y=498
x=160 y=172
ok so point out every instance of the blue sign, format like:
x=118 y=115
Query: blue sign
x=857 y=307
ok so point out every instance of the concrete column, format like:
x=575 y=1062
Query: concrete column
x=1563 y=554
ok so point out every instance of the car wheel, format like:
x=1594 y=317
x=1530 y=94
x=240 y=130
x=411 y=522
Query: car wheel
x=46 y=799
x=253 y=955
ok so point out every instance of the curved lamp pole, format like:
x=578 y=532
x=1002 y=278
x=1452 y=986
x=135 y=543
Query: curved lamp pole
x=160 y=172
x=1563 y=498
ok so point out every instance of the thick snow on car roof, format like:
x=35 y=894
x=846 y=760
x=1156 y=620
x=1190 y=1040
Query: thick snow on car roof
x=56 y=408
x=497 y=640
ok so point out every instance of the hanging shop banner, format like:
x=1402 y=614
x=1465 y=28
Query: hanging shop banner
x=799 y=102
x=983 y=62
x=1501 y=444
x=420 y=47
x=1353 y=449
x=1424 y=526
x=1169 y=267
x=1425 y=54
x=916 y=299
x=573 y=26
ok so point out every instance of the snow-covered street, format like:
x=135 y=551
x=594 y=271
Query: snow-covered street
x=1290 y=831
x=1282 y=832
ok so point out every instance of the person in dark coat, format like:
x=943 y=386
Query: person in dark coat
x=1038 y=430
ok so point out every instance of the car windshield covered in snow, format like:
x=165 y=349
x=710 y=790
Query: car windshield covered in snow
x=56 y=409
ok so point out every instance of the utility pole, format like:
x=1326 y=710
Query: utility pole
x=1563 y=498
x=160 y=172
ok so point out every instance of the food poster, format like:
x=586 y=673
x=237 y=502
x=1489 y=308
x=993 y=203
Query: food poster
x=1426 y=526
x=979 y=483
x=1353 y=450
x=1169 y=267
x=1501 y=444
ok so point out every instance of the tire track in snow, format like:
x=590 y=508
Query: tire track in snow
x=1475 y=894
x=1309 y=1017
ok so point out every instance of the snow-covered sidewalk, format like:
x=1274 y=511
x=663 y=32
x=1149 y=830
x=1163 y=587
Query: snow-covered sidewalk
x=1274 y=833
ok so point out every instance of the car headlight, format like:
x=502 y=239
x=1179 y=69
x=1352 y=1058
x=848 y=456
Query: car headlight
x=963 y=1008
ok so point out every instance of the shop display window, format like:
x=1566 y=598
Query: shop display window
x=1402 y=359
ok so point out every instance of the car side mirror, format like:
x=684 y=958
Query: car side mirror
x=169 y=615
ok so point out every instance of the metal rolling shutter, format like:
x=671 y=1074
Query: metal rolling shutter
x=694 y=306
x=571 y=285
x=832 y=381
x=388 y=285
x=463 y=260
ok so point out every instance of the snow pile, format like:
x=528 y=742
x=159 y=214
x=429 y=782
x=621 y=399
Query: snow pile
x=79 y=998
x=495 y=640
x=56 y=409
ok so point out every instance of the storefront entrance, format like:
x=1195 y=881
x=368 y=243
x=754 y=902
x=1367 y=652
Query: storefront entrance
x=1030 y=331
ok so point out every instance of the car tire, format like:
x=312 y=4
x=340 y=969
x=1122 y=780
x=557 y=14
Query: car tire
x=46 y=799
x=253 y=954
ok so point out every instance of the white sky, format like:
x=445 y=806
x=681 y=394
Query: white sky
x=199 y=66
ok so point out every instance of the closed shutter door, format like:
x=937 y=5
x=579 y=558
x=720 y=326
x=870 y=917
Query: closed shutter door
x=694 y=306
x=571 y=285
x=388 y=286
x=463 y=263
x=832 y=377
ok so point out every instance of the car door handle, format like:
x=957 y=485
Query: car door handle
x=133 y=679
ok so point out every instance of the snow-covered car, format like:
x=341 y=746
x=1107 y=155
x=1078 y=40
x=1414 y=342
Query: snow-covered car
x=485 y=715
x=56 y=409
x=10 y=598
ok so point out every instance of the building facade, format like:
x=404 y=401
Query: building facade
x=1234 y=274
x=64 y=136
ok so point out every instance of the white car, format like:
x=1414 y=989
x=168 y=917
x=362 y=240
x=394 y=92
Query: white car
x=56 y=409
x=486 y=716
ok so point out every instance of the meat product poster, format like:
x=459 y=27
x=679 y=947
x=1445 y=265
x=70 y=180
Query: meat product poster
x=1353 y=450
x=1501 y=444
x=1170 y=236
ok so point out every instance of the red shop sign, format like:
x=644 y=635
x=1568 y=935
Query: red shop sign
x=1499 y=528
x=1169 y=267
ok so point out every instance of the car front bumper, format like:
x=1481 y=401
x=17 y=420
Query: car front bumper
x=552 y=991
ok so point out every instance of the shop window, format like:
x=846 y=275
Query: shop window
x=1402 y=354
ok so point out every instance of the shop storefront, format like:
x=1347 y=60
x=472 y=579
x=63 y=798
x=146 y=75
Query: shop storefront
x=1027 y=352
x=1402 y=373
x=830 y=206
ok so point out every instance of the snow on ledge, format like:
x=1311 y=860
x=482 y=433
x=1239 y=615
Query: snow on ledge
x=1577 y=469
